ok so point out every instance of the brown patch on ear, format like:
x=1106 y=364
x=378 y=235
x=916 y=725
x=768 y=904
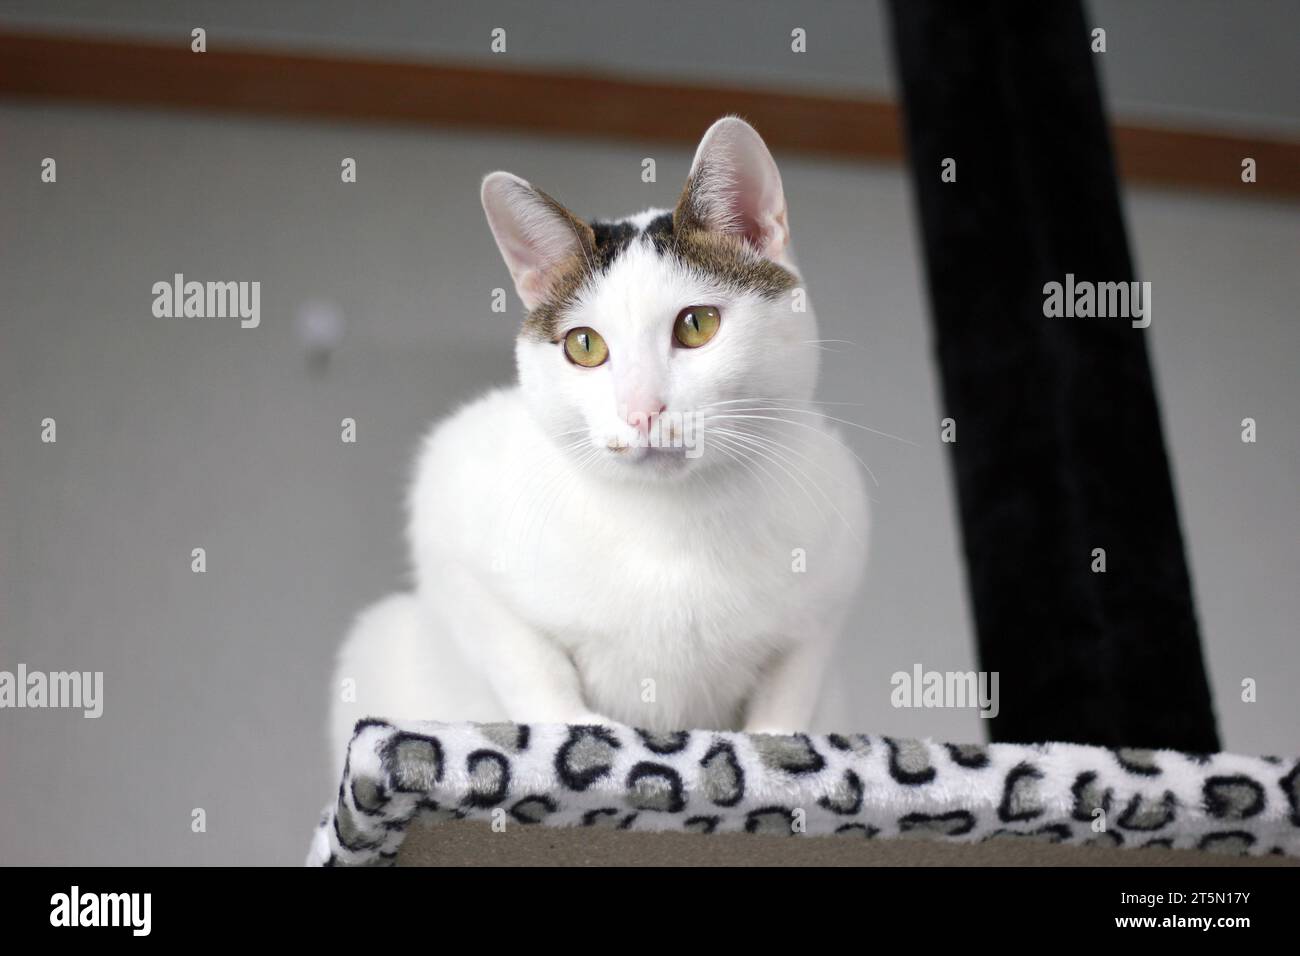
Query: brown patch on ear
x=688 y=215
x=734 y=261
x=727 y=256
x=542 y=323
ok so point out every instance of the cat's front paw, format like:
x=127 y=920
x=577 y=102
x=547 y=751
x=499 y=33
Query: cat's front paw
x=767 y=730
x=589 y=718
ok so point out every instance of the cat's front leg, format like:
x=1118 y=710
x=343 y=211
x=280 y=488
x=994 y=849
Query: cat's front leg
x=786 y=696
x=533 y=678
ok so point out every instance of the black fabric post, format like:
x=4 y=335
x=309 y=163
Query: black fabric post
x=1058 y=444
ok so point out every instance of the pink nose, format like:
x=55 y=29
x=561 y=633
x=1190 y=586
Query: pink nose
x=642 y=418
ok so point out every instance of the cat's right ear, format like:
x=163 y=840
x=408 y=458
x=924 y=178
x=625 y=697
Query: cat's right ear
x=735 y=188
x=539 y=239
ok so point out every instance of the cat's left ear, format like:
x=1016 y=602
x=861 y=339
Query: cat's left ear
x=538 y=238
x=735 y=188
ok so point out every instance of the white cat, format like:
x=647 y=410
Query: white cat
x=656 y=526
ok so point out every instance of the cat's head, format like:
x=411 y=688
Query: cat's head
x=638 y=329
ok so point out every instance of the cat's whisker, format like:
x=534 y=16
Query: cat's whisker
x=740 y=461
x=821 y=345
x=552 y=470
x=766 y=435
x=571 y=431
x=746 y=457
x=829 y=418
x=528 y=485
x=812 y=428
x=762 y=453
x=776 y=401
x=535 y=482
x=776 y=448
x=767 y=439
x=564 y=486
x=547 y=495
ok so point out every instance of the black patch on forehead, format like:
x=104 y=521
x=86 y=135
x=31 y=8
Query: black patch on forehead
x=611 y=238
x=659 y=230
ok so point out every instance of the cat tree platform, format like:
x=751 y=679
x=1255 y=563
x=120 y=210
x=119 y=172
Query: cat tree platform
x=416 y=793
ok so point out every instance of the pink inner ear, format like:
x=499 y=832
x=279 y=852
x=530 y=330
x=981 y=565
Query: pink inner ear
x=532 y=237
x=752 y=202
x=532 y=286
x=767 y=232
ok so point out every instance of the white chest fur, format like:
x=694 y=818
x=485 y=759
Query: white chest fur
x=670 y=598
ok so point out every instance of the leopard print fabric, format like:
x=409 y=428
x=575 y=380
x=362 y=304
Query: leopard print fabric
x=837 y=786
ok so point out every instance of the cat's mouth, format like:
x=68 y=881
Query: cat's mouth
x=663 y=450
x=640 y=451
x=653 y=463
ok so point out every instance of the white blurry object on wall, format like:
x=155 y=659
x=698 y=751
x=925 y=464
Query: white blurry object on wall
x=320 y=326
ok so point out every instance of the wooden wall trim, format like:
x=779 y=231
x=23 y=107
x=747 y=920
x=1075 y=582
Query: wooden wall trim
x=128 y=72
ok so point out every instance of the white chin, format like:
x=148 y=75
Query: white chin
x=651 y=462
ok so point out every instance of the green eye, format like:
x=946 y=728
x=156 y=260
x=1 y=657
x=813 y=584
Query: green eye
x=585 y=347
x=696 y=325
